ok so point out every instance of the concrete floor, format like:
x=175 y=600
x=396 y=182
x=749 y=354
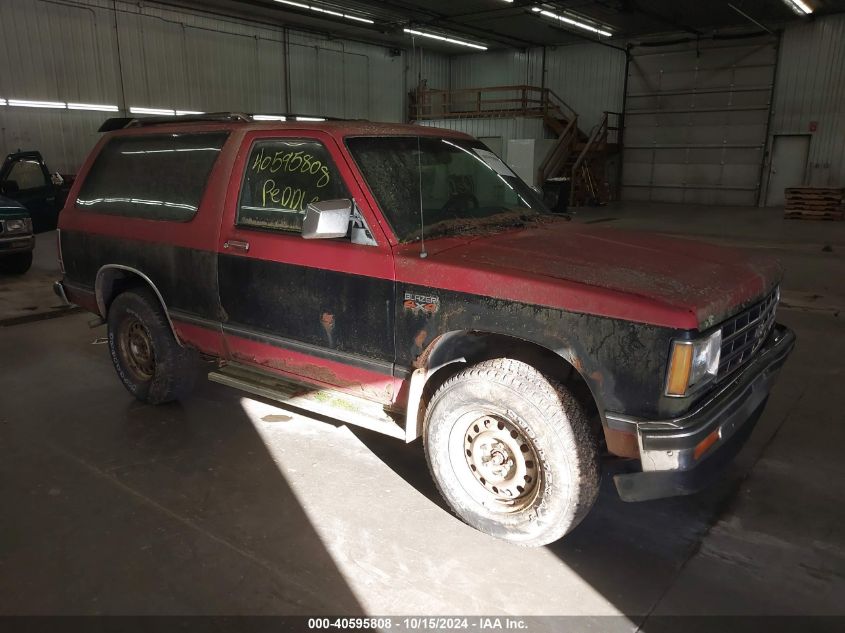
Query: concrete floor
x=225 y=504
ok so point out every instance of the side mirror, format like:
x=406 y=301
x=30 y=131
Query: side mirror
x=327 y=219
x=9 y=188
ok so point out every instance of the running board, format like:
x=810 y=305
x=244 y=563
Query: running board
x=328 y=402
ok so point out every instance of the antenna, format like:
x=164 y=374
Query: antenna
x=423 y=253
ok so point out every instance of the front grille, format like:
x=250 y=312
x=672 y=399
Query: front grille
x=743 y=334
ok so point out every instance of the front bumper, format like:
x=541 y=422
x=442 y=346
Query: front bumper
x=16 y=244
x=683 y=455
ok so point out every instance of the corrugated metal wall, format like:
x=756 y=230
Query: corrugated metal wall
x=502 y=128
x=810 y=87
x=151 y=55
x=589 y=77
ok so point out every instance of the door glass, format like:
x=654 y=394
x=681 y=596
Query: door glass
x=281 y=178
x=28 y=174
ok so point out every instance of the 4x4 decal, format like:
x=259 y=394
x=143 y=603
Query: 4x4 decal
x=427 y=304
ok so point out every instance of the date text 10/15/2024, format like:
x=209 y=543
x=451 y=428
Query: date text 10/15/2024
x=420 y=623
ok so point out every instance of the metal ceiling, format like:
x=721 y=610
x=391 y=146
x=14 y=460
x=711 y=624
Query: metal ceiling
x=501 y=24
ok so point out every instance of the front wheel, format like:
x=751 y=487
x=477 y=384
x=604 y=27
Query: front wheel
x=512 y=452
x=148 y=359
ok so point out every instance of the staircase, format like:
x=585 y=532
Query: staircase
x=583 y=160
x=578 y=156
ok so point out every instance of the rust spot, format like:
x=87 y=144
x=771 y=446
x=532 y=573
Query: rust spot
x=621 y=444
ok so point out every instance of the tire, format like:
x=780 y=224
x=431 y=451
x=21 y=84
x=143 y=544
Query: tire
x=149 y=361
x=511 y=452
x=16 y=264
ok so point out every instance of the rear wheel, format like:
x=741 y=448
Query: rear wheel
x=16 y=264
x=148 y=359
x=512 y=452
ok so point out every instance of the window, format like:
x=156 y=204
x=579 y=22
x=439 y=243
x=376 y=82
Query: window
x=281 y=178
x=458 y=184
x=28 y=174
x=158 y=177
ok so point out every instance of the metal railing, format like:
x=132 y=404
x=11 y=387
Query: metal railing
x=491 y=101
x=602 y=134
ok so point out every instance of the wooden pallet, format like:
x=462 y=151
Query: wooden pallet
x=813 y=215
x=815 y=203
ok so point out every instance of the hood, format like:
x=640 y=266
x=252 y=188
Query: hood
x=11 y=210
x=710 y=282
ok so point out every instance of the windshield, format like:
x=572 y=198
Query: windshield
x=460 y=186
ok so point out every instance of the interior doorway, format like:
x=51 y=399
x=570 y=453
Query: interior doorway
x=787 y=165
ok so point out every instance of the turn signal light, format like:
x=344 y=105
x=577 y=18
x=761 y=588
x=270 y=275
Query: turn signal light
x=679 y=369
x=706 y=443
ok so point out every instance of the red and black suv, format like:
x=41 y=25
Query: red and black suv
x=403 y=278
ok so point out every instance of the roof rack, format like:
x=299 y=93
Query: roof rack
x=118 y=123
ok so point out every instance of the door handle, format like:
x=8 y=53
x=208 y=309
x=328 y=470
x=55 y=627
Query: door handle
x=236 y=244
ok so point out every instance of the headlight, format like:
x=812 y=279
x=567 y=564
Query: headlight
x=693 y=364
x=19 y=226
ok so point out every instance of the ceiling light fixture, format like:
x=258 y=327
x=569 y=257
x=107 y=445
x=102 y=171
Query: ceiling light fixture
x=187 y=112
x=443 y=38
x=571 y=22
x=309 y=118
x=316 y=9
x=157 y=111
x=2 y=102
x=799 y=6
x=96 y=107
x=268 y=117
x=25 y=103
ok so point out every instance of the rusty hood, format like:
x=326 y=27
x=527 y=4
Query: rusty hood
x=712 y=282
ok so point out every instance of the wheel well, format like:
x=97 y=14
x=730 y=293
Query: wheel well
x=454 y=351
x=113 y=280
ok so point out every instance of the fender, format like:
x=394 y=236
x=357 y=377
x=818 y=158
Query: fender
x=99 y=291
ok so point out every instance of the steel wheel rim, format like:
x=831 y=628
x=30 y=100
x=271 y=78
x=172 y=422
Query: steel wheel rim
x=495 y=460
x=136 y=348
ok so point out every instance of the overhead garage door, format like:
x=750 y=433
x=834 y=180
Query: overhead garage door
x=696 y=118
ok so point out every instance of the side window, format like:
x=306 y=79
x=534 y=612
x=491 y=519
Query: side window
x=157 y=177
x=281 y=178
x=27 y=174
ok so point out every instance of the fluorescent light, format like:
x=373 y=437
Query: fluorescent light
x=570 y=21
x=316 y=9
x=92 y=106
x=319 y=10
x=268 y=117
x=159 y=111
x=443 y=38
x=24 y=103
x=186 y=112
x=2 y=102
x=357 y=19
x=309 y=118
x=800 y=5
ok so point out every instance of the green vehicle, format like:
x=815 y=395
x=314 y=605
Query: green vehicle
x=16 y=239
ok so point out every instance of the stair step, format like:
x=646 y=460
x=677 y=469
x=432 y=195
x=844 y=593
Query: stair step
x=329 y=402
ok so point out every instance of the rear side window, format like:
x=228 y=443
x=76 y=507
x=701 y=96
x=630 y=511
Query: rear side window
x=157 y=177
x=281 y=178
